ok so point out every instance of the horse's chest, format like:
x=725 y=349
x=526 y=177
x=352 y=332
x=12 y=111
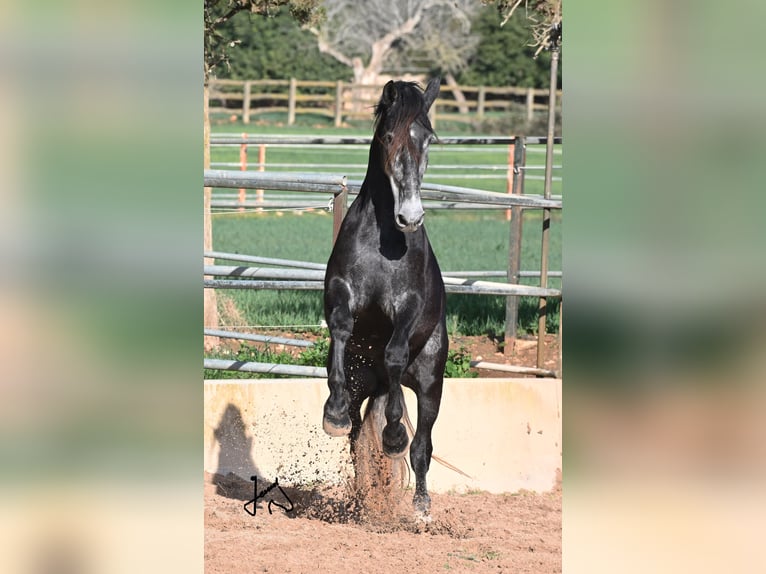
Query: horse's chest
x=386 y=286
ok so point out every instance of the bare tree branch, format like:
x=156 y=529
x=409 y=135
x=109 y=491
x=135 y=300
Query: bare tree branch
x=545 y=18
x=369 y=35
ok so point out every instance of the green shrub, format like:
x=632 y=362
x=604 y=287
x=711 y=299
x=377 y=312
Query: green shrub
x=459 y=364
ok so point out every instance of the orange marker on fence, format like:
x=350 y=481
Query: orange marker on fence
x=243 y=167
x=261 y=167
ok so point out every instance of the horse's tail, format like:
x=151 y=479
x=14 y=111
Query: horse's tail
x=440 y=460
x=379 y=480
x=371 y=441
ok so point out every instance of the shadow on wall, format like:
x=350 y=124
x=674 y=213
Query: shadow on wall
x=235 y=464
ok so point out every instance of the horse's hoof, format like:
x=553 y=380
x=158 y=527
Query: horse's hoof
x=336 y=428
x=423 y=517
x=422 y=504
x=336 y=421
x=395 y=441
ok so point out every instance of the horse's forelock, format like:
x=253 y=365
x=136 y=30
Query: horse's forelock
x=397 y=117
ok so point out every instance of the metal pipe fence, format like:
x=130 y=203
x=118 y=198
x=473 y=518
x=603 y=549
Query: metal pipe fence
x=337 y=188
x=311 y=277
x=257 y=338
x=335 y=184
x=321 y=266
x=265 y=368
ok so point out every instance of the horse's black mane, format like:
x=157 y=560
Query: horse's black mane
x=395 y=118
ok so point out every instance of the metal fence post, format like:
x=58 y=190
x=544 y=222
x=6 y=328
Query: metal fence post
x=243 y=167
x=543 y=307
x=514 y=245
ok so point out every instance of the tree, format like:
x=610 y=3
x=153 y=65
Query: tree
x=216 y=14
x=368 y=35
x=277 y=48
x=505 y=55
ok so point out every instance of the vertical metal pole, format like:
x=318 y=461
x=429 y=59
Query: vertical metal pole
x=510 y=176
x=243 y=167
x=543 y=309
x=514 y=247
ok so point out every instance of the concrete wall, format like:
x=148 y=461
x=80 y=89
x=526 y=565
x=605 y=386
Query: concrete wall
x=504 y=433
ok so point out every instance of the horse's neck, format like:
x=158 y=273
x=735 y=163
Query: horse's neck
x=376 y=193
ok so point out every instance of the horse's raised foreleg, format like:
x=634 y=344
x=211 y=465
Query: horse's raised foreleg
x=396 y=360
x=340 y=321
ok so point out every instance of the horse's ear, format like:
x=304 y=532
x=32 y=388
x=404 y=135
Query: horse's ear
x=432 y=90
x=389 y=93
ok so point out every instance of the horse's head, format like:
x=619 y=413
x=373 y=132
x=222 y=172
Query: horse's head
x=404 y=132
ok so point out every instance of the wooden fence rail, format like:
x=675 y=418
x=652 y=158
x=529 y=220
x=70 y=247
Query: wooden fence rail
x=343 y=100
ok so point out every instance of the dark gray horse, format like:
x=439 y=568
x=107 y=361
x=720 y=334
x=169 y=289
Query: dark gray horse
x=384 y=295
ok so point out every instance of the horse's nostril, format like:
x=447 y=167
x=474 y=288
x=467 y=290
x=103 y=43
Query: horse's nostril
x=400 y=221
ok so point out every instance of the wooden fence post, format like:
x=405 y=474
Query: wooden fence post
x=338 y=103
x=291 y=102
x=530 y=104
x=246 y=103
x=518 y=155
x=339 y=203
x=480 y=103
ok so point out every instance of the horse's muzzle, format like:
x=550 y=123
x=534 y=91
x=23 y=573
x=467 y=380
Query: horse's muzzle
x=409 y=224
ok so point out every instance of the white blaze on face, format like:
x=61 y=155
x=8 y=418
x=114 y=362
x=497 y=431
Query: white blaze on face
x=405 y=179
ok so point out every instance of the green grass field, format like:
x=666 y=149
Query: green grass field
x=462 y=240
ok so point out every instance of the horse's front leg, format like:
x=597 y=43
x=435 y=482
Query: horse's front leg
x=396 y=358
x=340 y=321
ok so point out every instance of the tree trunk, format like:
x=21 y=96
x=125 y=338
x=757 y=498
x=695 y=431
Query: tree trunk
x=363 y=76
x=458 y=94
x=210 y=318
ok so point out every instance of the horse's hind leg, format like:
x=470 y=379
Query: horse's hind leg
x=422 y=448
x=336 y=420
x=428 y=370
